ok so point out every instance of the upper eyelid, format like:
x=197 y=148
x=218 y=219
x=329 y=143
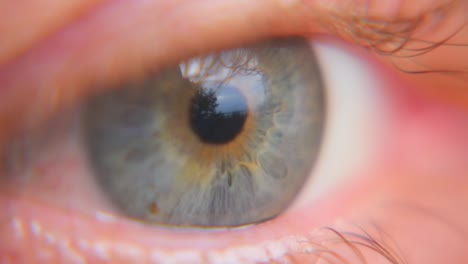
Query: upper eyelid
x=108 y=45
x=46 y=16
x=46 y=21
x=391 y=32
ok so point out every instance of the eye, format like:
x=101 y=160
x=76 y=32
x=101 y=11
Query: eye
x=94 y=159
x=55 y=204
x=165 y=150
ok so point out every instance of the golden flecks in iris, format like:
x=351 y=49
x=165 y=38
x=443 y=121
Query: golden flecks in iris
x=209 y=159
x=251 y=166
x=153 y=208
x=199 y=162
x=203 y=158
x=234 y=150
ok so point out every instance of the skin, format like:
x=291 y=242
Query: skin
x=412 y=200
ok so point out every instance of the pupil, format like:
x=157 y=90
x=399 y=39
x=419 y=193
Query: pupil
x=217 y=117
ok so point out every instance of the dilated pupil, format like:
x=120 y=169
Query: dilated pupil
x=217 y=117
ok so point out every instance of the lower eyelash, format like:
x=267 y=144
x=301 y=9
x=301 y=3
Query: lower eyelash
x=327 y=244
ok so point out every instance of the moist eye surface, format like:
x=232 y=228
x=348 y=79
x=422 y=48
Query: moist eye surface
x=222 y=140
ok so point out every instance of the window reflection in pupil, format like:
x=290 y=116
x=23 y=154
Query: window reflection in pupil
x=218 y=116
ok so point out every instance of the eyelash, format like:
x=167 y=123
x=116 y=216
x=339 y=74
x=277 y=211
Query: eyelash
x=399 y=38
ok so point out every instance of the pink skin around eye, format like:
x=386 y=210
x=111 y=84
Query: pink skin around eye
x=47 y=16
x=415 y=193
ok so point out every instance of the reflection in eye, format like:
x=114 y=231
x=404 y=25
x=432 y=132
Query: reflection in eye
x=230 y=144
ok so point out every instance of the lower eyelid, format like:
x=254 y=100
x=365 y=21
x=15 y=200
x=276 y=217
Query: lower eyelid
x=30 y=232
x=31 y=228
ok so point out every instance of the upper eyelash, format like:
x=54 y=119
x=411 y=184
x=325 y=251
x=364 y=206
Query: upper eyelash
x=394 y=37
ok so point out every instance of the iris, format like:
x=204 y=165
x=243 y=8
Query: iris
x=222 y=140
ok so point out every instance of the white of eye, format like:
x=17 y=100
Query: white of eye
x=356 y=114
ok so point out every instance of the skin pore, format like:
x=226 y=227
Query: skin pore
x=408 y=207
